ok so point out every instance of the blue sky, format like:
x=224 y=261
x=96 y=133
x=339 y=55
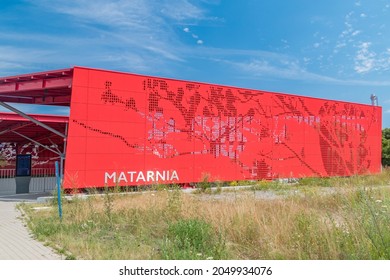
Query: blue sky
x=329 y=49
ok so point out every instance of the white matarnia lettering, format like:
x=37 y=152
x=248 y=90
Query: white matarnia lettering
x=160 y=176
x=109 y=176
x=131 y=173
x=139 y=176
x=122 y=177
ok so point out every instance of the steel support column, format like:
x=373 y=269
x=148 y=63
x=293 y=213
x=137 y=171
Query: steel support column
x=63 y=154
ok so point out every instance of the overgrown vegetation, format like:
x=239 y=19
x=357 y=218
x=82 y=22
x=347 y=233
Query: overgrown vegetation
x=339 y=218
x=192 y=239
x=386 y=147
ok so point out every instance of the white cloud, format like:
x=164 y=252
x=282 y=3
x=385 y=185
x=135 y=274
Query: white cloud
x=193 y=35
x=281 y=68
x=365 y=59
x=339 y=46
x=130 y=14
x=356 y=32
x=347 y=36
x=212 y=2
x=11 y=62
x=269 y=65
x=363 y=15
x=140 y=35
x=181 y=10
x=107 y=29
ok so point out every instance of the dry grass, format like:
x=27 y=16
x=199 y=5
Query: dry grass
x=345 y=223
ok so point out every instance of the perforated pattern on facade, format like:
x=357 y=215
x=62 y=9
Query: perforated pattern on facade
x=123 y=123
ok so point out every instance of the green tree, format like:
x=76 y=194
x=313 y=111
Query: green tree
x=386 y=146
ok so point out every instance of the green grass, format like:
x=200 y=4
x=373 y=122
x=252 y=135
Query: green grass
x=192 y=239
x=337 y=218
x=354 y=181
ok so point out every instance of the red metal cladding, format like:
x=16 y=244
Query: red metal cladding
x=127 y=129
x=49 y=88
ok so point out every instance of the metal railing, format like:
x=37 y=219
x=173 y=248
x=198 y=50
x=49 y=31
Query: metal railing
x=43 y=172
x=35 y=172
x=7 y=173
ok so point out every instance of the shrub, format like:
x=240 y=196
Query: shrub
x=192 y=239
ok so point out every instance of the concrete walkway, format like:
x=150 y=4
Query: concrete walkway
x=16 y=243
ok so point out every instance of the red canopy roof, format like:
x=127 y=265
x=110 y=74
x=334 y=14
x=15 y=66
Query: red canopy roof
x=46 y=88
x=11 y=123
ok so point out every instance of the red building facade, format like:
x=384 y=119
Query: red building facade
x=127 y=129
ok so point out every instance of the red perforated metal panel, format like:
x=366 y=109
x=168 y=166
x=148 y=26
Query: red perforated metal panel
x=127 y=129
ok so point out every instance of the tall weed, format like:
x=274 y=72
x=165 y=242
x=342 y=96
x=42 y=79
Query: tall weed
x=192 y=239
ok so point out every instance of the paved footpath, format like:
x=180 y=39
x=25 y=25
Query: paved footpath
x=16 y=243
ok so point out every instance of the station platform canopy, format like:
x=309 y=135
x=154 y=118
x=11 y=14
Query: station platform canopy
x=17 y=129
x=43 y=88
